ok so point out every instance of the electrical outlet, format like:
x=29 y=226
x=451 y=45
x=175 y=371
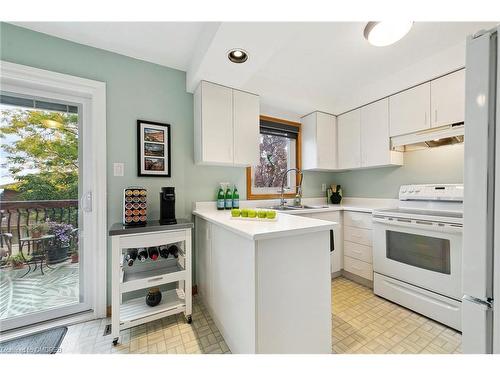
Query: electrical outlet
x=118 y=169
x=323 y=187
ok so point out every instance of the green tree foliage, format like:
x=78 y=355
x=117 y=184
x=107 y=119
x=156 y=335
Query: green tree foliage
x=46 y=145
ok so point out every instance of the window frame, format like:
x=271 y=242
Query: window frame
x=298 y=162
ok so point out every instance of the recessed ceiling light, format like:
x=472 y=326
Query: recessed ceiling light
x=237 y=55
x=386 y=32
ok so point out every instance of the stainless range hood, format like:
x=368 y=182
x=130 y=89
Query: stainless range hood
x=434 y=137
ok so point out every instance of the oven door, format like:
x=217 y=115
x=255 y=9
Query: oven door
x=422 y=253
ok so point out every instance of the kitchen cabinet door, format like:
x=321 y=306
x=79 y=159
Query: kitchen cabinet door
x=214 y=124
x=349 y=142
x=246 y=126
x=319 y=141
x=337 y=255
x=448 y=99
x=409 y=111
x=326 y=136
x=375 y=143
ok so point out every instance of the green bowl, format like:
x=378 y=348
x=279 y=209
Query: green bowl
x=235 y=212
x=252 y=213
x=261 y=214
x=244 y=212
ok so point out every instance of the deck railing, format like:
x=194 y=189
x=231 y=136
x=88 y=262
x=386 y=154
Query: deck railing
x=17 y=216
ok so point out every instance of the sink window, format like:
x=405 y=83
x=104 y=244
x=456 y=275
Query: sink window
x=278 y=152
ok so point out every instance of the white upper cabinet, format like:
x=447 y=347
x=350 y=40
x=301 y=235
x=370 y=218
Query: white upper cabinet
x=319 y=141
x=226 y=126
x=375 y=142
x=409 y=111
x=349 y=140
x=246 y=112
x=448 y=99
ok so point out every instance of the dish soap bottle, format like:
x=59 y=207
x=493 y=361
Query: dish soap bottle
x=236 y=198
x=229 y=198
x=220 y=198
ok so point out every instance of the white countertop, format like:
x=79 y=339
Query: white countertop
x=288 y=223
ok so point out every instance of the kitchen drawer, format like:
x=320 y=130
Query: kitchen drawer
x=357 y=251
x=358 y=219
x=358 y=235
x=358 y=267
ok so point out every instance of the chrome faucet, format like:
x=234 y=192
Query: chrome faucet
x=297 y=201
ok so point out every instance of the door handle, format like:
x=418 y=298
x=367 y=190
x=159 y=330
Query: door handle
x=332 y=241
x=86 y=201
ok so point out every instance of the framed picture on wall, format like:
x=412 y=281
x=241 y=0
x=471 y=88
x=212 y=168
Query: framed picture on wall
x=153 y=149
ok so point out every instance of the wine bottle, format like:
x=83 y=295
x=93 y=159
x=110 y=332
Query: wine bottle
x=142 y=254
x=153 y=253
x=174 y=250
x=164 y=251
x=130 y=257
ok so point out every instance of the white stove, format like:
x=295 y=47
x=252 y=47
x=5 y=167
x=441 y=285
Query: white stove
x=417 y=251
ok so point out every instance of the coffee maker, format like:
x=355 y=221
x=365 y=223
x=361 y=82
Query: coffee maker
x=167 y=205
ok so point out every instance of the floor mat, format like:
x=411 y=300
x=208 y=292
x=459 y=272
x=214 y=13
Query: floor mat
x=45 y=342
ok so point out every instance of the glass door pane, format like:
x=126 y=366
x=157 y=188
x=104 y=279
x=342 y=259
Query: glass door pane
x=40 y=267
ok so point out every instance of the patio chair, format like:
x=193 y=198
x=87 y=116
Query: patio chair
x=6 y=250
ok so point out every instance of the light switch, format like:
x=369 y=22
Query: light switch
x=323 y=187
x=118 y=169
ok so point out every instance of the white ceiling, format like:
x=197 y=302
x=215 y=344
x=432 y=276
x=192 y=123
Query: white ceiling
x=295 y=67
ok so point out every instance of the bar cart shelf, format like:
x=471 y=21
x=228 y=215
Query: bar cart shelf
x=127 y=313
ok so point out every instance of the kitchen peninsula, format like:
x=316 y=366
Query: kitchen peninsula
x=266 y=284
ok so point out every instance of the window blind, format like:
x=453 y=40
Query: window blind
x=37 y=104
x=278 y=129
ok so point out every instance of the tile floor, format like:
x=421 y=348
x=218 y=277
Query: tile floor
x=362 y=323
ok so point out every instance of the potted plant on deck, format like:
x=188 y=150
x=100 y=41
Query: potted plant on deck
x=74 y=256
x=38 y=230
x=58 y=249
x=16 y=261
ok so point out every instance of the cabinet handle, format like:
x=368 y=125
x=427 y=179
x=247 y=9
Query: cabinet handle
x=435 y=116
x=332 y=241
x=425 y=118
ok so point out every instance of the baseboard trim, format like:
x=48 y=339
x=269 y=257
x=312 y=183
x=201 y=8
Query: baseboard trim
x=357 y=279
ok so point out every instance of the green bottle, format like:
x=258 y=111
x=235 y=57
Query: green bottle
x=229 y=198
x=220 y=198
x=236 y=198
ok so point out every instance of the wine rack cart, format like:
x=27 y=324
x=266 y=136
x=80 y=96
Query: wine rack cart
x=130 y=312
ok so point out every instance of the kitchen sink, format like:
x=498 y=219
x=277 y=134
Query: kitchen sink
x=294 y=208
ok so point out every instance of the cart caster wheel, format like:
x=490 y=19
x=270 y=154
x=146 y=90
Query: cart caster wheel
x=189 y=319
x=115 y=342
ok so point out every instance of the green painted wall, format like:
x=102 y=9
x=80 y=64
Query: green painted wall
x=135 y=90
x=436 y=165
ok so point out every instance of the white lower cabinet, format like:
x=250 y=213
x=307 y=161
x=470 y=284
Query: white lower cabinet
x=358 y=254
x=358 y=251
x=336 y=241
x=257 y=291
x=359 y=268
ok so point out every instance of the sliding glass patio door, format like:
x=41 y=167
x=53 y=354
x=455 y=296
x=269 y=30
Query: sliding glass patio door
x=46 y=267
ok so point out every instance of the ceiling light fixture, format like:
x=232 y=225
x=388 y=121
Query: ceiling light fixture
x=237 y=55
x=384 y=33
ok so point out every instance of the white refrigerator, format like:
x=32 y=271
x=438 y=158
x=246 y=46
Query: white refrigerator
x=481 y=242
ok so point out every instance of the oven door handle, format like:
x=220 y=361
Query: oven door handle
x=420 y=224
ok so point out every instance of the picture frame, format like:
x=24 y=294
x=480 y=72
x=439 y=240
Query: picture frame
x=153 y=149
